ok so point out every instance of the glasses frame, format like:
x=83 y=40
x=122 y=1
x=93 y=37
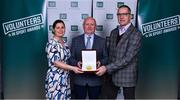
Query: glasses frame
x=123 y=14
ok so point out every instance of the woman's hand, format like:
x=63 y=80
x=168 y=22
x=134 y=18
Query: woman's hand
x=77 y=70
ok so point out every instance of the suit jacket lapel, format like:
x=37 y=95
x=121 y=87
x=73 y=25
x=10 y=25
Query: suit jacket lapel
x=126 y=34
x=94 y=42
x=82 y=39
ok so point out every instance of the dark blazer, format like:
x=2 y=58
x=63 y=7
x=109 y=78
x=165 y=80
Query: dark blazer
x=99 y=44
x=123 y=57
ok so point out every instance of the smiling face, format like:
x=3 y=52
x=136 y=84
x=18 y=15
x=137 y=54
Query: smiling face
x=124 y=16
x=59 y=30
x=89 y=25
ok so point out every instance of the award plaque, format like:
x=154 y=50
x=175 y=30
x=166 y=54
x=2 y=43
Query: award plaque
x=88 y=60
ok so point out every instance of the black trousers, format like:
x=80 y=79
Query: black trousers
x=82 y=91
x=129 y=92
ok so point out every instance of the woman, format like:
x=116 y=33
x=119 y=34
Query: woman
x=57 y=80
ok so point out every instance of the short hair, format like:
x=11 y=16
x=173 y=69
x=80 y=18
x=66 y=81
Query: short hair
x=89 y=18
x=125 y=6
x=55 y=23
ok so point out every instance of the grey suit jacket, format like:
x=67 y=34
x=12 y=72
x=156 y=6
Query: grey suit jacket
x=123 y=57
x=99 y=44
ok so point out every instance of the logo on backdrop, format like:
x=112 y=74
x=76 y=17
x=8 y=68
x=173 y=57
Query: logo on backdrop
x=161 y=26
x=83 y=16
x=51 y=4
x=63 y=16
x=119 y=4
x=99 y=4
x=109 y=16
x=74 y=28
x=23 y=25
x=74 y=4
x=99 y=28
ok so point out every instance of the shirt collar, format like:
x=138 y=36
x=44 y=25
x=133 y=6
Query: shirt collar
x=92 y=35
x=124 y=28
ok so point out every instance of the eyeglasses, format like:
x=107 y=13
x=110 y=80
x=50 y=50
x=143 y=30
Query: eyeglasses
x=123 y=14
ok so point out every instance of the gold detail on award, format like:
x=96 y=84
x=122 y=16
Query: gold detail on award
x=89 y=67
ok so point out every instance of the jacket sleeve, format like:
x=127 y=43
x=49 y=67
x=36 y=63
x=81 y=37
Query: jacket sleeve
x=131 y=52
x=104 y=60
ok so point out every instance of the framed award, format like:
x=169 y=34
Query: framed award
x=88 y=60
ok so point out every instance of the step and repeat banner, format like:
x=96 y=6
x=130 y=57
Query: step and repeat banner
x=159 y=23
x=104 y=11
x=26 y=25
x=73 y=12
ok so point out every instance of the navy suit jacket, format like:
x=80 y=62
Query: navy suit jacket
x=99 y=44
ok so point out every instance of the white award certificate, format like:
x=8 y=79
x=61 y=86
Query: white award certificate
x=88 y=60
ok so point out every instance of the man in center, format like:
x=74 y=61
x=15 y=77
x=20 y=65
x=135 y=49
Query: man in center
x=88 y=82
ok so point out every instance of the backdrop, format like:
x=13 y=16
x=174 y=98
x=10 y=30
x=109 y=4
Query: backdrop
x=73 y=13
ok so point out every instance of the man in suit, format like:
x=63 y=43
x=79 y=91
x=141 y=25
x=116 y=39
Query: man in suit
x=88 y=82
x=124 y=46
